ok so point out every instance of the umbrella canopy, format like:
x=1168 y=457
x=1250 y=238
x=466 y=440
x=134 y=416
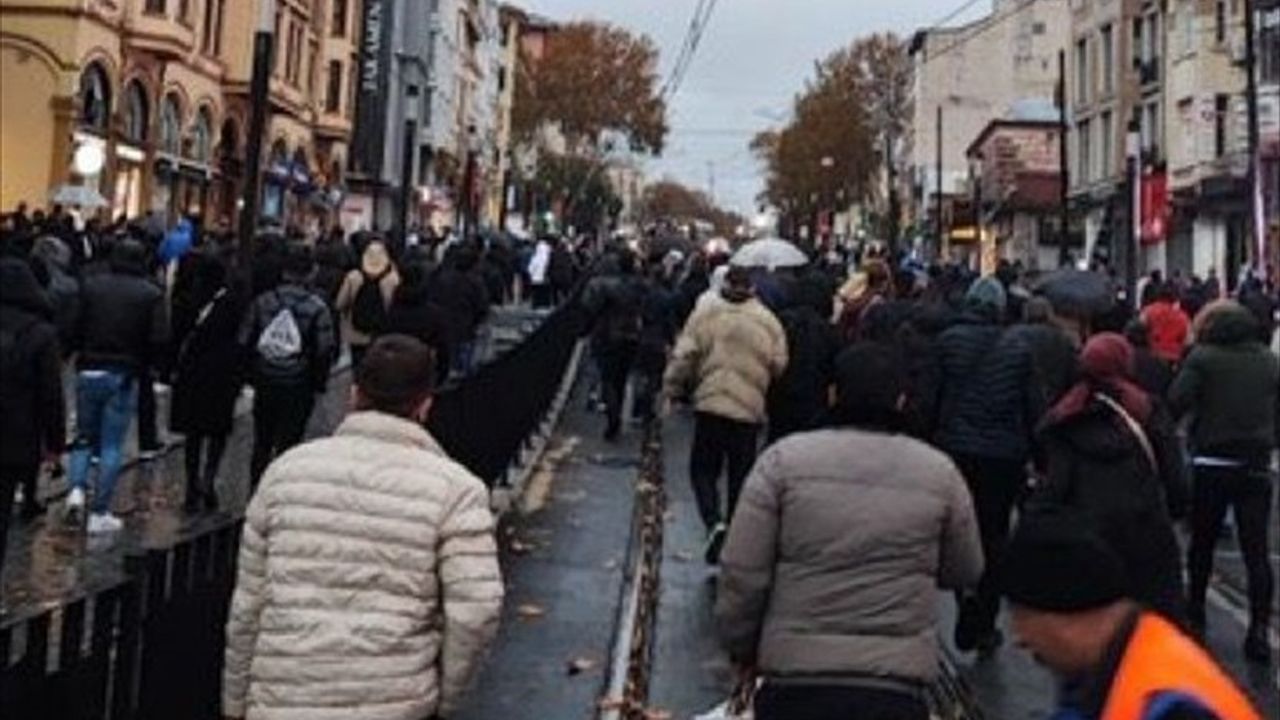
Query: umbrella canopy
x=78 y=196
x=1077 y=293
x=770 y=253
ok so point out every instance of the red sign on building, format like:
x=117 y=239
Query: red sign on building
x=1155 y=207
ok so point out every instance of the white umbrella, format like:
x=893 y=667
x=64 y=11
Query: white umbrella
x=771 y=253
x=78 y=196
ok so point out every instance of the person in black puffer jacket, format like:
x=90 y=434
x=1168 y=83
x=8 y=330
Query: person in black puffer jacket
x=32 y=410
x=615 y=302
x=458 y=288
x=985 y=419
x=123 y=332
x=412 y=313
x=798 y=399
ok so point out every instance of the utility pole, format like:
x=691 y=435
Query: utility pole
x=1133 y=236
x=259 y=102
x=406 y=162
x=937 y=182
x=892 y=169
x=1257 y=219
x=711 y=181
x=1064 y=213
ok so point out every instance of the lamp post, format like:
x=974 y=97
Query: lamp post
x=259 y=90
x=1133 y=170
x=406 y=162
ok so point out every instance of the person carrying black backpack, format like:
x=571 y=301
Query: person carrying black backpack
x=616 y=302
x=365 y=297
x=288 y=337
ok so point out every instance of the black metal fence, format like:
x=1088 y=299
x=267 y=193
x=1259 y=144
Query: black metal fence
x=150 y=646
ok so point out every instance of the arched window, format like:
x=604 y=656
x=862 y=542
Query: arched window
x=137 y=113
x=95 y=98
x=170 y=125
x=202 y=135
x=228 y=140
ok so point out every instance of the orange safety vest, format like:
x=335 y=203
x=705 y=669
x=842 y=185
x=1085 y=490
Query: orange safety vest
x=1161 y=659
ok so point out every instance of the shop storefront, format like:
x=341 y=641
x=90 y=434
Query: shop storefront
x=130 y=153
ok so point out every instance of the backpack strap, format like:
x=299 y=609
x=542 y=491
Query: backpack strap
x=1135 y=428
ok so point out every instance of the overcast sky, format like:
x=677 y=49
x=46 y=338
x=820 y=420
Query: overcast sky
x=754 y=55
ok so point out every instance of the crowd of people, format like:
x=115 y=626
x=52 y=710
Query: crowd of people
x=910 y=414
x=130 y=307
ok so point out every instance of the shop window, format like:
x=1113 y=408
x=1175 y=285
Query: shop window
x=95 y=98
x=338 y=24
x=137 y=114
x=333 y=87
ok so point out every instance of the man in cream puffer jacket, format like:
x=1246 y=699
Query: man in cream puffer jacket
x=369 y=585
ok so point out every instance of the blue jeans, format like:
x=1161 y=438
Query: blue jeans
x=105 y=403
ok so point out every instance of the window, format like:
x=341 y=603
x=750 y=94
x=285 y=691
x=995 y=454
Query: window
x=218 y=16
x=1269 y=52
x=1082 y=71
x=1106 y=130
x=338 y=23
x=170 y=126
x=1220 y=104
x=95 y=98
x=1220 y=22
x=502 y=79
x=313 y=67
x=277 y=57
x=1108 y=59
x=1151 y=128
x=137 y=114
x=291 y=56
x=154 y=7
x=202 y=136
x=184 y=12
x=333 y=87
x=352 y=79
x=1084 y=152
x=1186 y=27
x=1038 y=28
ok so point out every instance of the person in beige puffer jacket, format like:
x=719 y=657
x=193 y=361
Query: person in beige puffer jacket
x=725 y=360
x=368 y=584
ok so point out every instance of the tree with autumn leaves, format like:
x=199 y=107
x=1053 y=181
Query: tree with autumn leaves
x=671 y=201
x=595 y=88
x=848 y=114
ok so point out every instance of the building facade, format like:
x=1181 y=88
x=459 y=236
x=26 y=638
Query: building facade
x=1017 y=189
x=967 y=76
x=161 y=88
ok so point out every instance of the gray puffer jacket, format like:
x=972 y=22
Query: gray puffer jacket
x=835 y=553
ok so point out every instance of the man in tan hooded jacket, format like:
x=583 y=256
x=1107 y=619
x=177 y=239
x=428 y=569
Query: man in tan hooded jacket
x=725 y=360
x=368 y=584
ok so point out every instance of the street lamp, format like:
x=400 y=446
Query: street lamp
x=259 y=89
x=1133 y=169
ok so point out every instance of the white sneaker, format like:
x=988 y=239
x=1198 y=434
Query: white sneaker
x=101 y=523
x=75 y=505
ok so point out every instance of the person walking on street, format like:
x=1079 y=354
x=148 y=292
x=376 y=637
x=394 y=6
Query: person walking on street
x=1230 y=387
x=288 y=336
x=987 y=408
x=798 y=400
x=725 y=360
x=1167 y=324
x=123 y=329
x=1113 y=457
x=208 y=373
x=658 y=329
x=368 y=582
x=615 y=302
x=412 y=313
x=1114 y=659
x=32 y=409
x=364 y=298
x=459 y=290
x=827 y=581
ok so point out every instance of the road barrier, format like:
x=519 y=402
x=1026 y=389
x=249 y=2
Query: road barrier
x=150 y=645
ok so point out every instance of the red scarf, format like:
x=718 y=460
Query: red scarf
x=1106 y=366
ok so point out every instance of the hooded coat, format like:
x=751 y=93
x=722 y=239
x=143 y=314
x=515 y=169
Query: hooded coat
x=32 y=410
x=209 y=362
x=1230 y=386
x=375 y=266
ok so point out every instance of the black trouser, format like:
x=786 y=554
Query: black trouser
x=995 y=486
x=357 y=356
x=1248 y=493
x=836 y=702
x=200 y=485
x=280 y=415
x=541 y=296
x=148 y=437
x=614 y=360
x=719 y=441
x=648 y=385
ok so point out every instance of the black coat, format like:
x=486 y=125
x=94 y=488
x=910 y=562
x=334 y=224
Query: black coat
x=208 y=369
x=32 y=409
x=798 y=399
x=123 y=324
x=986 y=406
x=412 y=314
x=463 y=298
x=1097 y=466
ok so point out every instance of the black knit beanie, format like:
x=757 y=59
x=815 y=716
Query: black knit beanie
x=1057 y=562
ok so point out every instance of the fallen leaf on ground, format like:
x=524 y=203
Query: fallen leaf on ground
x=580 y=665
x=530 y=611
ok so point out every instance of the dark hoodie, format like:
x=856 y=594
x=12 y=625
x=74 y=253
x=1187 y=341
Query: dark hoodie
x=798 y=399
x=1230 y=386
x=31 y=403
x=123 y=324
